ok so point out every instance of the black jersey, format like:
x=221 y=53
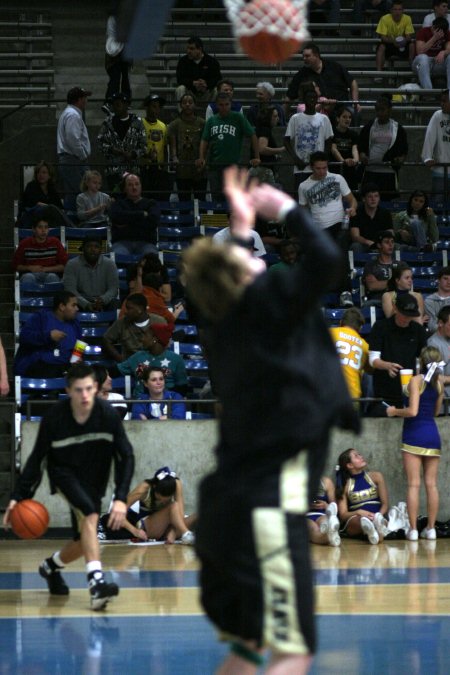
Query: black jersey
x=272 y=361
x=83 y=451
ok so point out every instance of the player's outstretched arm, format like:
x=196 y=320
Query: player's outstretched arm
x=238 y=193
x=270 y=203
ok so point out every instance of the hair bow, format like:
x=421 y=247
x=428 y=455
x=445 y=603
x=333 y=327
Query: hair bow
x=431 y=367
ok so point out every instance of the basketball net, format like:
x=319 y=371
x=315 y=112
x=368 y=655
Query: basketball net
x=271 y=21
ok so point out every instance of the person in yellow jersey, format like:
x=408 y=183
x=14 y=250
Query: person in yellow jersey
x=352 y=349
x=155 y=175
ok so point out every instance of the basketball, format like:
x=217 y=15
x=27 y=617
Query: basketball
x=268 y=30
x=29 y=519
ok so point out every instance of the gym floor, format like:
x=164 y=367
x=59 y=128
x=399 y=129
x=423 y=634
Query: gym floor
x=380 y=609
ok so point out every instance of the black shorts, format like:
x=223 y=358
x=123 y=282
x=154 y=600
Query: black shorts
x=252 y=541
x=83 y=499
x=392 y=50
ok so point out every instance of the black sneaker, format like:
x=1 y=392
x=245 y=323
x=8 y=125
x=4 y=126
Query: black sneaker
x=101 y=594
x=55 y=582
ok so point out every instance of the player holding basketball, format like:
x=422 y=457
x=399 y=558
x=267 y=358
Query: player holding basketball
x=78 y=438
x=279 y=382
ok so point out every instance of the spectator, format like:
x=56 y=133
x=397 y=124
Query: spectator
x=184 y=135
x=92 y=204
x=344 y=147
x=155 y=174
x=381 y=141
x=441 y=341
x=324 y=105
x=421 y=442
x=149 y=284
x=264 y=95
x=155 y=352
x=104 y=391
x=222 y=142
x=154 y=382
x=40 y=258
x=72 y=143
x=416 y=228
x=41 y=193
x=441 y=298
x=92 y=277
x=370 y=220
x=401 y=283
x=257 y=247
x=395 y=343
x=289 y=256
x=432 y=49
x=129 y=331
x=224 y=87
x=150 y=263
x=362 y=497
x=116 y=65
x=121 y=140
x=47 y=339
x=197 y=72
x=436 y=147
x=4 y=384
x=323 y=193
x=396 y=33
x=352 y=349
x=155 y=511
x=134 y=220
x=306 y=133
x=377 y=272
x=333 y=80
x=266 y=120
x=378 y=6
x=440 y=8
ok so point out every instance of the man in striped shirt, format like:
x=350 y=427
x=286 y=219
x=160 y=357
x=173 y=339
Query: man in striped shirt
x=40 y=258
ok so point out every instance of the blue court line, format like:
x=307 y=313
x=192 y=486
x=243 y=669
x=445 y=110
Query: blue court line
x=189 y=579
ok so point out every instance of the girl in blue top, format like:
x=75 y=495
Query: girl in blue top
x=361 y=496
x=421 y=443
x=154 y=406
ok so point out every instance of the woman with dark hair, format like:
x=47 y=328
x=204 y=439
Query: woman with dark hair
x=41 y=193
x=400 y=283
x=416 y=227
x=266 y=120
x=361 y=496
x=155 y=511
x=153 y=404
x=421 y=443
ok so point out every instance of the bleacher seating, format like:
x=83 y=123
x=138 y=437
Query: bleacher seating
x=26 y=61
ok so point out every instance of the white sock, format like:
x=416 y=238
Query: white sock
x=93 y=566
x=56 y=557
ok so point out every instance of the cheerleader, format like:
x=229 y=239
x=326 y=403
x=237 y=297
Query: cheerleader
x=362 y=497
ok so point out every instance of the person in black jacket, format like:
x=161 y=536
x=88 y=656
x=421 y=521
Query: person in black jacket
x=197 y=73
x=383 y=146
x=279 y=382
x=78 y=439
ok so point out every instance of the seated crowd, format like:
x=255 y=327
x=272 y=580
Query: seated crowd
x=138 y=154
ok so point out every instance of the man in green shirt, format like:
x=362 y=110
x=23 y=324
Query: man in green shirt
x=222 y=140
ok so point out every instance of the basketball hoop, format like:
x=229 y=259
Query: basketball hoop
x=269 y=31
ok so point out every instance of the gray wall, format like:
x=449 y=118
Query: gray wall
x=187 y=447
